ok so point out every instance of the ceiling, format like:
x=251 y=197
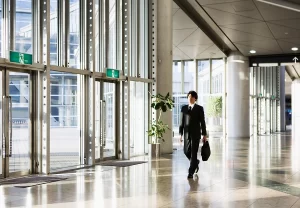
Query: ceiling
x=189 y=42
x=242 y=24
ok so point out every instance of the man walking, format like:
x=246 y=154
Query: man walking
x=192 y=125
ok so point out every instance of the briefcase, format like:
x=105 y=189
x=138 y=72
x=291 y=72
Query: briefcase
x=205 y=151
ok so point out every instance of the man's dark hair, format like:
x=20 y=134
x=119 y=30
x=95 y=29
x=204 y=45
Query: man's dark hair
x=193 y=94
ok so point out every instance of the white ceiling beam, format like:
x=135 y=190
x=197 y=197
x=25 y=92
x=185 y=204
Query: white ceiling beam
x=282 y=4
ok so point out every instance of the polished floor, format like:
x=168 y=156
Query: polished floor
x=257 y=172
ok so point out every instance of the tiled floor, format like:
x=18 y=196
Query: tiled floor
x=257 y=172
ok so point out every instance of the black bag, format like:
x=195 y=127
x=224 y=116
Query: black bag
x=205 y=151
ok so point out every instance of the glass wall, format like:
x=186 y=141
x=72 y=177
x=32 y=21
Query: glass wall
x=203 y=82
x=74 y=34
x=112 y=35
x=53 y=32
x=186 y=80
x=66 y=141
x=64 y=120
x=138 y=117
x=189 y=76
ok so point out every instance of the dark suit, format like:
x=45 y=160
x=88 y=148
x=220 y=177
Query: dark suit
x=192 y=125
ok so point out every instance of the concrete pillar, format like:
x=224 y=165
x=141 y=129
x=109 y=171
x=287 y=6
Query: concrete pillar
x=238 y=96
x=296 y=109
x=164 y=63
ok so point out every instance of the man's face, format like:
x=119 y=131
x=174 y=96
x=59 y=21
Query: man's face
x=191 y=99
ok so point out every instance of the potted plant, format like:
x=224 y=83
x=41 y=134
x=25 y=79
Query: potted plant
x=157 y=128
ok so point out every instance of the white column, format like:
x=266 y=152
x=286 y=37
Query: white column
x=237 y=106
x=295 y=109
x=164 y=63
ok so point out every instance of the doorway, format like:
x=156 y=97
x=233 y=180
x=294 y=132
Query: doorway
x=16 y=93
x=105 y=134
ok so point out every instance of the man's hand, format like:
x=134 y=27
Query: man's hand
x=204 y=139
x=181 y=140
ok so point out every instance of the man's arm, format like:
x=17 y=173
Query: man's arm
x=181 y=126
x=202 y=121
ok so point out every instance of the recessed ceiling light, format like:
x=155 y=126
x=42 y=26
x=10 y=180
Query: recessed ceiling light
x=252 y=51
x=294 y=49
x=286 y=33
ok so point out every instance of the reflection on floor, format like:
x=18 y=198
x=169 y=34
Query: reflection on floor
x=260 y=172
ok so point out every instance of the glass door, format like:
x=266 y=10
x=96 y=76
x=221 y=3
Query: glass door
x=105 y=134
x=15 y=123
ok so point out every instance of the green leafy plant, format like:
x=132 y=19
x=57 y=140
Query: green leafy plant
x=158 y=128
x=214 y=108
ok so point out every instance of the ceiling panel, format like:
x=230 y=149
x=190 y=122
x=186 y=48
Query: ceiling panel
x=283 y=32
x=211 y=52
x=181 y=35
x=174 y=11
x=179 y=55
x=206 y=2
x=238 y=36
x=193 y=51
x=292 y=23
x=225 y=18
x=175 y=6
x=270 y=12
x=182 y=21
x=270 y=45
x=245 y=50
x=260 y=28
x=295 y=41
x=286 y=46
x=196 y=38
x=242 y=8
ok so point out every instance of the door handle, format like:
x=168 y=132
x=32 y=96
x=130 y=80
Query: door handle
x=10 y=125
x=102 y=123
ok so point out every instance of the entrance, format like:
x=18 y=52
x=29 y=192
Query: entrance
x=105 y=134
x=16 y=123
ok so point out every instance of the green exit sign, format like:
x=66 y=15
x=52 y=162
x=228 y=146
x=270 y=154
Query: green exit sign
x=20 y=58
x=112 y=73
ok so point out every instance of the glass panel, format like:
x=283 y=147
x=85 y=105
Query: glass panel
x=74 y=34
x=143 y=38
x=217 y=76
x=138 y=117
x=97 y=36
x=203 y=82
x=1 y=123
x=179 y=100
x=1 y=29
x=97 y=120
x=19 y=90
x=112 y=38
x=65 y=121
x=109 y=97
x=23 y=38
x=189 y=76
x=53 y=33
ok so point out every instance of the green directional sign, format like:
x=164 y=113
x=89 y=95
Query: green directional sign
x=20 y=58
x=112 y=73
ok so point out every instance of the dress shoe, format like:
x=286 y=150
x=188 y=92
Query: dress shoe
x=196 y=171
x=190 y=176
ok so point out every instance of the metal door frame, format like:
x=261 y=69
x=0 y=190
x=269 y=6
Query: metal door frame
x=115 y=122
x=31 y=125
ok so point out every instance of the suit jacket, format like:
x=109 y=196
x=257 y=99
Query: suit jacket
x=192 y=122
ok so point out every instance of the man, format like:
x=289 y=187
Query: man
x=192 y=125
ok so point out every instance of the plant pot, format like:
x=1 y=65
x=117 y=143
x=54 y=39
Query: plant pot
x=154 y=150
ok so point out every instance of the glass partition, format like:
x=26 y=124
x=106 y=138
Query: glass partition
x=64 y=120
x=23 y=31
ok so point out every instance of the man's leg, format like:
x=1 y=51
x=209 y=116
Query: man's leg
x=187 y=148
x=194 y=161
